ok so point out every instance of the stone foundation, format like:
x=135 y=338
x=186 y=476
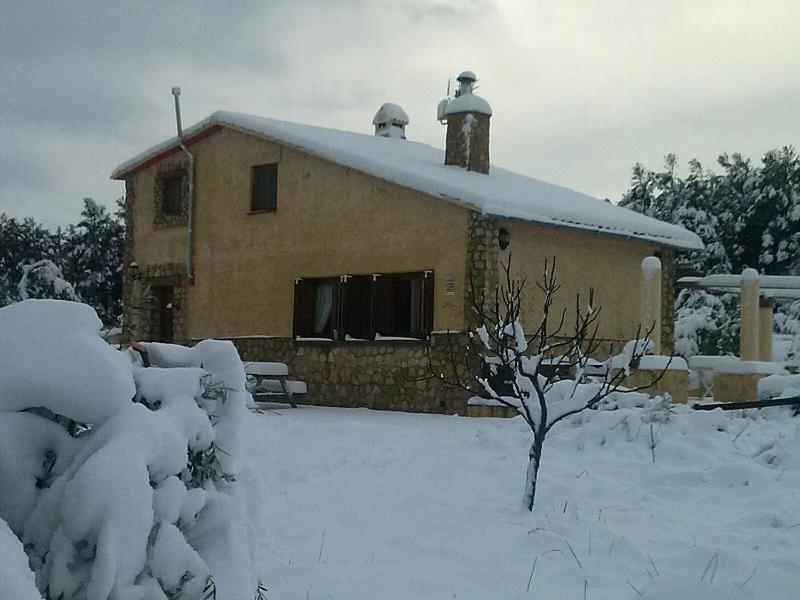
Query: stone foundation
x=674 y=382
x=384 y=375
x=736 y=387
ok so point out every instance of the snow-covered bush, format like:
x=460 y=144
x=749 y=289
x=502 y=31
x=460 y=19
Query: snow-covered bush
x=705 y=323
x=122 y=481
x=44 y=279
x=18 y=579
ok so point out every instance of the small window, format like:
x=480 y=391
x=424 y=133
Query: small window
x=171 y=193
x=265 y=188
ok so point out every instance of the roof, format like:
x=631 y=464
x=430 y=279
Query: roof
x=421 y=167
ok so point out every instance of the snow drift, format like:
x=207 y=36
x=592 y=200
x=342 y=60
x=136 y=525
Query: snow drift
x=122 y=481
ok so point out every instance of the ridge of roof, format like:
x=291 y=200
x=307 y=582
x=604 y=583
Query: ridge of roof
x=421 y=167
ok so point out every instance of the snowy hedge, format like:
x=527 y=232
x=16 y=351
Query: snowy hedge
x=122 y=481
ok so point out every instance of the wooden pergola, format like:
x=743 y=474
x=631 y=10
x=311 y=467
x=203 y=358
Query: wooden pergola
x=758 y=293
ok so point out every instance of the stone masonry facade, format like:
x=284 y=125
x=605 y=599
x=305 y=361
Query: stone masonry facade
x=394 y=375
x=467 y=143
x=482 y=265
x=667 y=301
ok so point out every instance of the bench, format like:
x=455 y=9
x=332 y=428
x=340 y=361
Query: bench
x=269 y=380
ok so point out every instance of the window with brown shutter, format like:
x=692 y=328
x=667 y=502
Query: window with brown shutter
x=264 y=194
x=365 y=307
x=316 y=308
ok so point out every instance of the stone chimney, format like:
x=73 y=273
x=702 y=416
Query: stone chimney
x=467 y=117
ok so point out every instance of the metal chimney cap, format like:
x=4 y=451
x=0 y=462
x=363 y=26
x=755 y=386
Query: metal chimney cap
x=176 y=91
x=466 y=76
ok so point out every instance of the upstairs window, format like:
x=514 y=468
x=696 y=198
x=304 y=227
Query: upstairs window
x=365 y=307
x=172 y=191
x=170 y=198
x=264 y=194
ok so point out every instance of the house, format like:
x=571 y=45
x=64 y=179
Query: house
x=348 y=255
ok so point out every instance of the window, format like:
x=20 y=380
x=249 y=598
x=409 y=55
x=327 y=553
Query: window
x=264 y=195
x=365 y=307
x=172 y=193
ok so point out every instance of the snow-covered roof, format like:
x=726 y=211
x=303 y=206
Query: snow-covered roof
x=421 y=167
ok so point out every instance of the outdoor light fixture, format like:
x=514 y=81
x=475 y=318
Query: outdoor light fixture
x=502 y=238
x=133 y=271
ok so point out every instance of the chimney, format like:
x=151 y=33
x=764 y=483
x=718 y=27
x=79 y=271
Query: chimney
x=390 y=121
x=467 y=117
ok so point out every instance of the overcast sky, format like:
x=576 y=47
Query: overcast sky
x=580 y=90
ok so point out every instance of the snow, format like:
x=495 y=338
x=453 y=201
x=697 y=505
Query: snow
x=468 y=103
x=660 y=363
x=750 y=367
x=53 y=360
x=651 y=266
x=16 y=577
x=122 y=481
x=397 y=506
x=711 y=362
x=274 y=369
x=779 y=386
x=421 y=167
x=391 y=114
x=749 y=275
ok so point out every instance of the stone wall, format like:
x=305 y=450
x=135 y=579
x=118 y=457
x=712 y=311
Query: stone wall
x=141 y=310
x=667 y=301
x=385 y=375
x=467 y=143
x=481 y=274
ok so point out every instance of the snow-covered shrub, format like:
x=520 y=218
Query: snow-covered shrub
x=44 y=279
x=15 y=574
x=122 y=481
x=705 y=324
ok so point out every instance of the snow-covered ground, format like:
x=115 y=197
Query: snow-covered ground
x=366 y=505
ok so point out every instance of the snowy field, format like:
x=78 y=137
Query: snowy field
x=379 y=505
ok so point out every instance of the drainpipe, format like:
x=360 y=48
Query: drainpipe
x=176 y=91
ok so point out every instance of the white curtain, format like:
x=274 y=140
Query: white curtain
x=323 y=303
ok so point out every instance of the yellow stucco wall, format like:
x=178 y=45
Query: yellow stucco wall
x=330 y=220
x=609 y=265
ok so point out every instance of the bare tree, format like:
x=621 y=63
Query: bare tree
x=529 y=373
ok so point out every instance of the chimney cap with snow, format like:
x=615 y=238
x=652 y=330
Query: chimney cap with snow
x=465 y=100
x=390 y=121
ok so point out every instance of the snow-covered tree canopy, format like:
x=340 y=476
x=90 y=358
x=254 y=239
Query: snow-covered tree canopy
x=747 y=216
x=122 y=481
x=83 y=261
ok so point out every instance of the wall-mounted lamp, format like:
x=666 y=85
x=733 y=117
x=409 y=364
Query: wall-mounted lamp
x=503 y=238
x=133 y=271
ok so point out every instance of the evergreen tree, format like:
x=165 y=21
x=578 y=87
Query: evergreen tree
x=21 y=242
x=747 y=216
x=85 y=259
x=92 y=259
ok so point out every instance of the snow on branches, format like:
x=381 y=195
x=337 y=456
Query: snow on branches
x=122 y=481
x=529 y=373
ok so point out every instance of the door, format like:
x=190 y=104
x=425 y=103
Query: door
x=163 y=329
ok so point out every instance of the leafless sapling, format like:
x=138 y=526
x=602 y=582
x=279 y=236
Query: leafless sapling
x=526 y=372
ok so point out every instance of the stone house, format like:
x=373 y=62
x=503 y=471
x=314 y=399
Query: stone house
x=348 y=255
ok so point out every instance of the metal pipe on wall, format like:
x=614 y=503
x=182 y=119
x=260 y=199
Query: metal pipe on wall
x=176 y=92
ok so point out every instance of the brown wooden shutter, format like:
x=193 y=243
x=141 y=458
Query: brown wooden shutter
x=356 y=307
x=428 y=287
x=384 y=305
x=303 y=307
